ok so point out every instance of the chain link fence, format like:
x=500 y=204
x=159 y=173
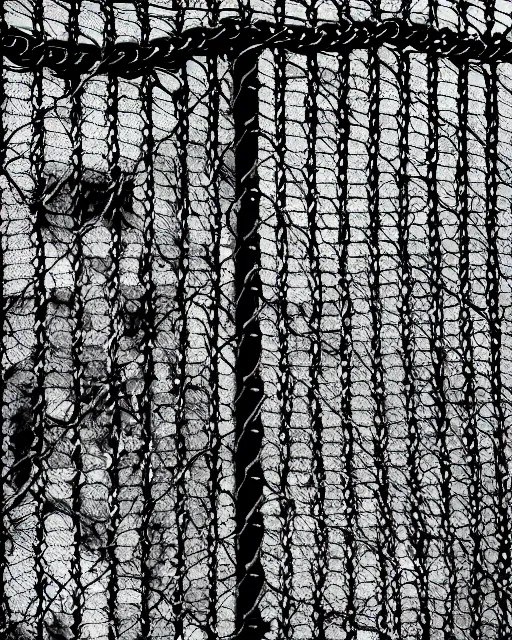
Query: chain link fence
x=255 y=334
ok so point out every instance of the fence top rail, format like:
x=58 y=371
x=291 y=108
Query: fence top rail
x=130 y=58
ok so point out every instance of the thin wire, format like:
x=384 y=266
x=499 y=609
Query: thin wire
x=77 y=338
x=436 y=286
x=40 y=328
x=466 y=325
x=148 y=331
x=466 y=335
x=180 y=509
x=500 y=432
x=285 y=382
x=388 y=617
x=113 y=292
x=319 y=566
x=348 y=480
x=214 y=347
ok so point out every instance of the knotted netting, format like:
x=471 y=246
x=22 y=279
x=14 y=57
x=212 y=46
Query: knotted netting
x=256 y=315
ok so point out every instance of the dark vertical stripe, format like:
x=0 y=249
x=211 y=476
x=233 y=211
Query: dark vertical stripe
x=348 y=481
x=215 y=302
x=182 y=241
x=388 y=587
x=502 y=500
x=436 y=301
x=148 y=333
x=180 y=8
x=77 y=326
x=470 y=427
x=113 y=293
x=245 y=11
x=249 y=385
x=215 y=227
x=500 y=434
x=320 y=532
x=470 y=431
x=40 y=328
x=417 y=526
x=319 y=567
x=284 y=376
x=213 y=11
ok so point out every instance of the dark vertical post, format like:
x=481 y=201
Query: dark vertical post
x=249 y=386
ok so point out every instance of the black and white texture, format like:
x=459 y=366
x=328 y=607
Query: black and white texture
x=256 y=327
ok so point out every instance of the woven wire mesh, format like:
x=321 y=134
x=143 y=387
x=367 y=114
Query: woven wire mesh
x=255 y=330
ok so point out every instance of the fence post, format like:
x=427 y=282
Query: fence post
x=249 y=386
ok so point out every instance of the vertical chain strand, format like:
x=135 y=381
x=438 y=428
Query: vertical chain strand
x=418 y=530
x=470 y=432
x=319 y=567
x=214 y=256
x=436 y=288
x=500 y=435
x=388 y=615
x=346 y=352
x=40 y=328
x=502 y=501
x=320 y=532
x=77 y=338
x=436 y=300
x=148 y=331
x=284 y=383
x=181 y=357
x=113 y=291
x=389 y=588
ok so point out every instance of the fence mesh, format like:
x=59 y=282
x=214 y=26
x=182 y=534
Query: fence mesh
x=256 y=332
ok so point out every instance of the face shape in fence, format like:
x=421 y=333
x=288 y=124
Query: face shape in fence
x=117 y=295
x=384 y=273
